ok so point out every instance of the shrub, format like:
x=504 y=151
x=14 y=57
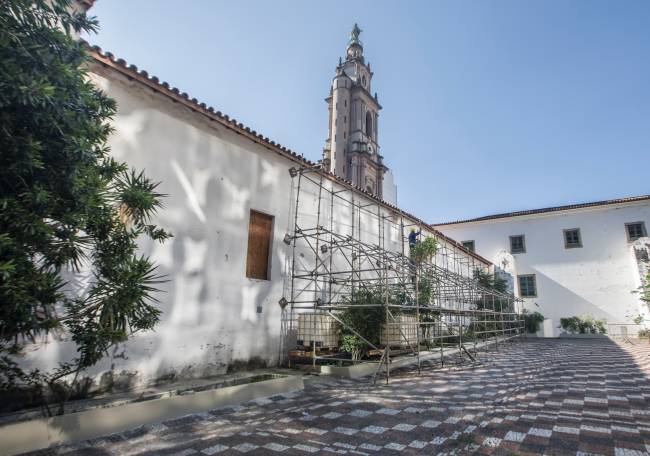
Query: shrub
x=490 y=281
x=644 y=289
x=532 y=321
x=423 y=251
x=367 y=321
x=353 y=345
x=488 y=301
x=583 y=325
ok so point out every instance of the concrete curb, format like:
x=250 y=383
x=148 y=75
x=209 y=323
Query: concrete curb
x=583 y=336
x=45 y=432
x=369 y=368
x=356 y=371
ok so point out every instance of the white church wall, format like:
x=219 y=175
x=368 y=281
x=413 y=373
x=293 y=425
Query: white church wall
x=596 y=279
x=212 y=314
x=213 y=178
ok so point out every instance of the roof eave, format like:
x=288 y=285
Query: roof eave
x=549 y=210
x=131 y=71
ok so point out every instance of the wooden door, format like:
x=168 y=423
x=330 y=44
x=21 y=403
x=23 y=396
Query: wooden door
x=260 y=229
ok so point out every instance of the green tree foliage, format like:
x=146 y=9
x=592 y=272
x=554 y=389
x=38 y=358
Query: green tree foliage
x=368 y=320
x=426 y=291
x=423 y=251
x=365 y=320
x=489 y=301
x=350 y=343
x=532 y=321
x=644 y=289
x=644 y=294
x=583 y=325
x=490 y=281
x=65 y=205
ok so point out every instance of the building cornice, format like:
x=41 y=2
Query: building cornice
x=549 y=210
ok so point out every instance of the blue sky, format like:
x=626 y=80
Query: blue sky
x=489 y=106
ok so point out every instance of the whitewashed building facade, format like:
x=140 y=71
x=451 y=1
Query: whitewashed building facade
x=577 y=260
x=225 y=184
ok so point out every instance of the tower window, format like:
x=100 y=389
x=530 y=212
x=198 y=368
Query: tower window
x=368 y=123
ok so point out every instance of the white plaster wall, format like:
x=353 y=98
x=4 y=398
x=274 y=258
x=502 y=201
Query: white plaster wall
x=213 y=178
x=596 y=279
x=389 y=191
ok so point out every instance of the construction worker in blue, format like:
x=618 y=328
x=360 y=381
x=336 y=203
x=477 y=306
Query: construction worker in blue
x=413 y=237
x=413 y=241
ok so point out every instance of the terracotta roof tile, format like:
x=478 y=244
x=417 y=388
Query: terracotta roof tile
x=108 y=59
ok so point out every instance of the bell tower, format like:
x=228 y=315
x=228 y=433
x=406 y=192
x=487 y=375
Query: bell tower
x=352 y=148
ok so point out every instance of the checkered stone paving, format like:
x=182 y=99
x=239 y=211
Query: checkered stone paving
x=536 y=396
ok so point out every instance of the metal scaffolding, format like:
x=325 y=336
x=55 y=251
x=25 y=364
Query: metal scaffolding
x=352 y=277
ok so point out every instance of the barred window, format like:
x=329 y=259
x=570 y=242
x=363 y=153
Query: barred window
x=517 y=244
x=469 y=245
x=572 y=238
x=527 y=286
x=635 y=230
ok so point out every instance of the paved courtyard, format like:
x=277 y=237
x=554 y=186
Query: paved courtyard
x=554 y=397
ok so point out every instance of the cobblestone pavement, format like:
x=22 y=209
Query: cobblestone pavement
x=555 y=397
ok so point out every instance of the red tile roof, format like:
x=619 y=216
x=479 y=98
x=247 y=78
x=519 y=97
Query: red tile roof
x=569 y=207
x=108 y=60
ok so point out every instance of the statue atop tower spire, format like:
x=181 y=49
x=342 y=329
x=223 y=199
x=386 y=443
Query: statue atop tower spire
x=355 y=47
x=354 y=36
